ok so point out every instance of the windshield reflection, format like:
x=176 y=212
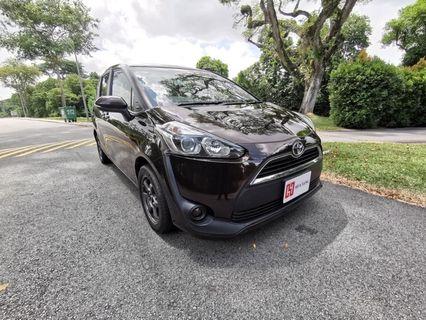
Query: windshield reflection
x=165 y=86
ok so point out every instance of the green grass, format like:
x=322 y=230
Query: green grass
x=79 y=119
x=323 y=123
x=394 y=166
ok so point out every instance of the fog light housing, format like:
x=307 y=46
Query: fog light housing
x=198 y=213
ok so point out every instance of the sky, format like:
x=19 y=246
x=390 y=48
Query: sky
x=180 y=32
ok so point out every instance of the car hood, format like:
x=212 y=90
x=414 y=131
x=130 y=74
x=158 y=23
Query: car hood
x=259 y=123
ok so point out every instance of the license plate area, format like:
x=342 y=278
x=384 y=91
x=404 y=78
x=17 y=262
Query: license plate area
x=296 y=186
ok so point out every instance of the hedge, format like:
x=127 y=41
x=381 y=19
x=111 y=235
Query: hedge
x=369 y=93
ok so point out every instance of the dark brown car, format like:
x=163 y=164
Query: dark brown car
x=207 y=156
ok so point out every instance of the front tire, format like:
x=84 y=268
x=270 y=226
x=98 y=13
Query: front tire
x=154 y=201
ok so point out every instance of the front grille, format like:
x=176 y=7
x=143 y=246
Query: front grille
x=287 y=162
x=266 y=208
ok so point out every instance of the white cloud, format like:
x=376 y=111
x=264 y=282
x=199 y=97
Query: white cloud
x=175 y=32
x=181 y=31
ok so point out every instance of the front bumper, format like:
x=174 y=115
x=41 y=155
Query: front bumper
x=234 y=204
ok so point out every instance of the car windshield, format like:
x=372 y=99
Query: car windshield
x=165 y=86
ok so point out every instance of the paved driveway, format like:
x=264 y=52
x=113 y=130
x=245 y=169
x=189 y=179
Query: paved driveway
x=74 y=244
x=399 y=135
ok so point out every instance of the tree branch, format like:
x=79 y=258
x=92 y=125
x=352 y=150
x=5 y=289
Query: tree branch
x=249 y=39
x=296 y=12
x=336 y=28
x=314 y=31
x=283 y=55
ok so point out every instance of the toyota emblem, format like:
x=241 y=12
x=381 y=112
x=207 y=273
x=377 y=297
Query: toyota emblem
x=297 y=149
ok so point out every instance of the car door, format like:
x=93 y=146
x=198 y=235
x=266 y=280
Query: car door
x=102 y=117
x=128 y=129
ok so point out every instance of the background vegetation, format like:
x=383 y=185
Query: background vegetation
x=387 y=165
x=308 y=60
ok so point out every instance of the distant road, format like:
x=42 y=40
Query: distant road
x=15 y=132
x=398 y=135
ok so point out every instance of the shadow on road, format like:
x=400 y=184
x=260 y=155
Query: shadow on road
x=296 y=237
x=293 y=239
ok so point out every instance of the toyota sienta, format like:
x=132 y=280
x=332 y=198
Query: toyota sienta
x=207 y=156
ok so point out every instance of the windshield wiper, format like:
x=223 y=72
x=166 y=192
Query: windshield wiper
x=241 y=101
x=226 y=102
x=198 y=103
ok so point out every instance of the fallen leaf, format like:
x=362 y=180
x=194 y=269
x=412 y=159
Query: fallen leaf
x=3 y=286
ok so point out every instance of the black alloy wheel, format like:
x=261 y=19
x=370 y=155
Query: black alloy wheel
x=153 y=201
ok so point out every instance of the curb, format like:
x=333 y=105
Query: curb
x=80 y=124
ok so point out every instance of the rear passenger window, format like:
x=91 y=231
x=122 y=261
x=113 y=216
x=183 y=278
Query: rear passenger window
x=121 y=87
x=103 y=90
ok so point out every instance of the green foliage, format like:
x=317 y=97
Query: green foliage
x=356 y=32
x=18 y=75
x=369 y=93
x=61 y=68
x=408 y=32
x=214 y=65
x=44 y=99
x=47 y=29
x=267 y=79
x=414 y=98
x=12 y=104
x=269 y=82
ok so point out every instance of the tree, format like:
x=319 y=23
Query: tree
x=63 y=68
x=318 y=34
x=268 y=80
x=214 y=65
x=48 y=30
x=408 y=32
x=19 y=76
x=355 y=34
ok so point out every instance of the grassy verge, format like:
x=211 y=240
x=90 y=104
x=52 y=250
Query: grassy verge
x=394 y=170
x=323 y=123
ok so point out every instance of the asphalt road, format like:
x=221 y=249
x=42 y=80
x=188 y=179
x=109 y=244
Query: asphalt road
x=74 y=244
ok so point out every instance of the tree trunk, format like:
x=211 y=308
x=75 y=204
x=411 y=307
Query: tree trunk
x=312 y=88
x=24 y=109
x=61 y=89
x=83 y=96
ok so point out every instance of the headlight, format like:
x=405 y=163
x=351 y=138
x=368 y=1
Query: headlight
x=306 y=119
x=185 y=140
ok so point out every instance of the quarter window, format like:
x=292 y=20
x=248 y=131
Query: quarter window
x=121 y=87
x=103 y=90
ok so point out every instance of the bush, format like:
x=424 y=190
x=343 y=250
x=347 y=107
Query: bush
x=414 y=99
x=369 y=93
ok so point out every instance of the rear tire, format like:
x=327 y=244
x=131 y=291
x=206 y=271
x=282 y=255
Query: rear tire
x=154 y=201
x=102 y=156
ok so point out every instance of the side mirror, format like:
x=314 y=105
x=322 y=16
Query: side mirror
x=111 y=104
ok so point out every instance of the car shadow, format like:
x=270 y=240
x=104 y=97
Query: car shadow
x=126 y=181
x=295 y=238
